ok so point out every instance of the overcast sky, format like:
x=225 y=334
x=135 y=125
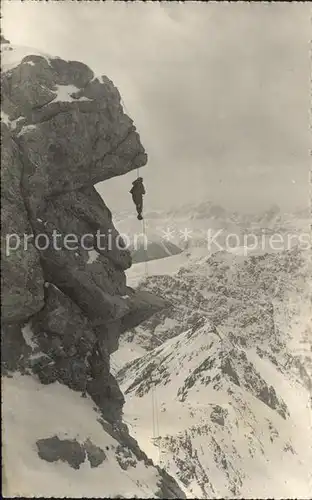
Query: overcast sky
x=219 y=92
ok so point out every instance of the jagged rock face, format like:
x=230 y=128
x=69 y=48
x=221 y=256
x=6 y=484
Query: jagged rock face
x=21 y=277
x=233 y=292
x=98 y=141
x=66 y=131
x=63 y=130
x=64 y=306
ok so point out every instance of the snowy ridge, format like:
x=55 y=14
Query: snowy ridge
x=216 y=426
x=233 y=396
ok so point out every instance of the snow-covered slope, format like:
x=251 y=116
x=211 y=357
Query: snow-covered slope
x=223 y=429
x=56 y=444
x=222 y=397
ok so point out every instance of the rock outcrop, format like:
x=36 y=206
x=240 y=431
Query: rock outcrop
x=65 y=300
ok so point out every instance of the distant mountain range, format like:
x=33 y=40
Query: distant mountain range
x=218 y=386
x=169 y=232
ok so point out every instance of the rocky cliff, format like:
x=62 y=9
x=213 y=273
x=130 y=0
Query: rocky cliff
x=65 y=300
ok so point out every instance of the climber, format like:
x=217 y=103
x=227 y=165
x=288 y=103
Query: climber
x=137 y=192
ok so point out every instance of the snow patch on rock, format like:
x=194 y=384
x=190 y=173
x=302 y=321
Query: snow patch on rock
x=28 y=335
x=65 y=94
x=93 y=256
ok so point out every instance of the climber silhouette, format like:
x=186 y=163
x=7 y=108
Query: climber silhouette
x=137 y=192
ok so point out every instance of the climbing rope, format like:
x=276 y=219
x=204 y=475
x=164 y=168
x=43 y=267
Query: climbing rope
x=157 y=423
x=155 y=419
x=143 y=221
x=155 y=409
x=145 y=248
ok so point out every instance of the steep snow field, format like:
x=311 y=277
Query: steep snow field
x=33 y=411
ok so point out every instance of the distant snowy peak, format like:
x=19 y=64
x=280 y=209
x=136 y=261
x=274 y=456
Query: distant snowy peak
x=201 y=210
x=204 y=218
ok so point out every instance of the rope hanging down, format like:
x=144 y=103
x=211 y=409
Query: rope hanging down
x=143 y=221
x=155 y=413
x=145 y=248
x=155 y=409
